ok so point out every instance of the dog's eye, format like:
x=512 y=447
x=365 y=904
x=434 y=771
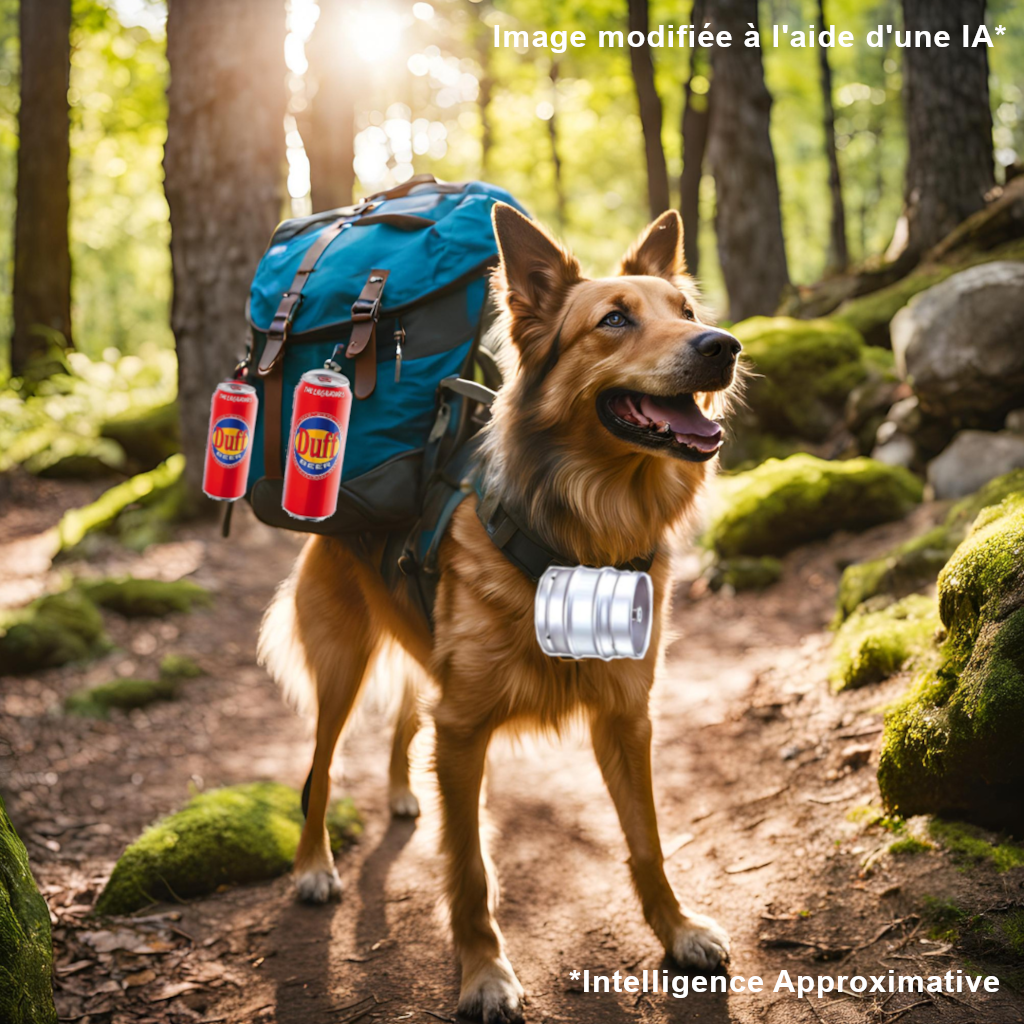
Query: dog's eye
x=689 y=314
x=614 y=319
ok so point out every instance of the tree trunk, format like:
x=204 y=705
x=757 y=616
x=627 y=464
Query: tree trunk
x=650 y=111
x=556 y=160
x=748 y=218
x=224 y=171
x=696 y=116
x=838 y=254
x=949 y=123
x=330 y=138
x=42 y=262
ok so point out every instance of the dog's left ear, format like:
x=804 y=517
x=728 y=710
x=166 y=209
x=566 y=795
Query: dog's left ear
x=658 y=252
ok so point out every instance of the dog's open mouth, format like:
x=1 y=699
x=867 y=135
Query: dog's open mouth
x=671 y=424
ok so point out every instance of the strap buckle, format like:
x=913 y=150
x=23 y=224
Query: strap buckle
x=367 y=309
x=281 y=325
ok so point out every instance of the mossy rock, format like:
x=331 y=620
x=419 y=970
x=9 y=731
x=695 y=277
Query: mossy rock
x=148 y=436
x=803 y=372
x=70 y=457
x=746 y=573
x=952 y=745
x=51 y=631
x=123 y=694
x=870 y=314
x=180 y=666
x=916 y=563
x=788 y=502
x=235 y=835
x=26 y=950
x=148 y=493
x=136 y=598
x=873 y=644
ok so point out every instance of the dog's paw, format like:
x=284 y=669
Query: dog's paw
x=317 y=886
x=700 y=942
x=493 y=994
x=403 y=803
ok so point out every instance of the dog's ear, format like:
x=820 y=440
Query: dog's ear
x=536 y=273
x=658 y=252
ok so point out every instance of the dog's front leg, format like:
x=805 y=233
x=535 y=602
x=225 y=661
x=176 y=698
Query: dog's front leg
x=623 y=748
x=490 y=989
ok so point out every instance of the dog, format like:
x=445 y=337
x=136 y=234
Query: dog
x=601 y=440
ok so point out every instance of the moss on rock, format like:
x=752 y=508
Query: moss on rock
x=235 y=835
x=136 y=598
x=123 y=694
x=179 y=666
x=746 y=573
x=26 y=951
x=806 y=368
x=870 y=314
x=872 y=645
x=50 y=631
x=784 y=503
x=148 y=436
x=953 y=743
x=151 y=492
x=916 y=563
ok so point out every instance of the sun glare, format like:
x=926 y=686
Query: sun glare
x=374 y=31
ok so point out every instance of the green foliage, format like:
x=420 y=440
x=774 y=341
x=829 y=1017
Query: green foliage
x=123 y=694
x=872 y=645
x=784 y=503
x=26 y=953
x=137 y=598
x=239 y=834
x=147 y=435
x=909 y=846
x=51 y=631
x=952 y=744
x=972 y=844
x=806 y=369
x=179 y=666
x=156 y=492
x=944 y=918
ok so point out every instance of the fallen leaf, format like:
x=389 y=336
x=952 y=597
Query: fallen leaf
x=140 y=978
x=175 y=989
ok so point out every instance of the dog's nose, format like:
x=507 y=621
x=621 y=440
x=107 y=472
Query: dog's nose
x=717 y=344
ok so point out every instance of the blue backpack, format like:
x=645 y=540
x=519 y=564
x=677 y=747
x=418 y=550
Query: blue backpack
x=393 y=290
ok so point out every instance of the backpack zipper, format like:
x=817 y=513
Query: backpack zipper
x=399 y=339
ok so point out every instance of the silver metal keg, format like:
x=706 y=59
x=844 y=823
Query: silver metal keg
x=594 y=613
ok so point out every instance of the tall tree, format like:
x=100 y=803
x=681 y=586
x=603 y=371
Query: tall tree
x=748 y=217
x=650 y=110
x=42 y=262
x=949 y=123
x=556 y=159
x=224 y=168
x=696 y=117
x=838 y=255
x=330 y=138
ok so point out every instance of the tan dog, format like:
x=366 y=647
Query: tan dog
x=599 y=443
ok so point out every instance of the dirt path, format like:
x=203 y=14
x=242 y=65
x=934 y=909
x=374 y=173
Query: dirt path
x=757 y=767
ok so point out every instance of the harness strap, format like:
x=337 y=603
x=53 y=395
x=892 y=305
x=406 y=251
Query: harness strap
x=522 y=547
x=272 y=393
x=362 y=347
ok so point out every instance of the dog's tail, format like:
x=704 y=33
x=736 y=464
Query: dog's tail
x=280 y=651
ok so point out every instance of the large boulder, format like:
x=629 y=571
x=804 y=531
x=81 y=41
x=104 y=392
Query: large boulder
x=26 y=952
x=952 y=745
x=804 y=372
x=972 y=459
x=784 y=503
x=959 y=344
x=235 y=835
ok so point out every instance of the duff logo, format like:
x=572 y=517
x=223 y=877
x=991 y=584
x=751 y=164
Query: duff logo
x=230 y=440
x=316 y=445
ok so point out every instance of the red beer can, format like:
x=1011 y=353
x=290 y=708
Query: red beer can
x=229 y=443
x=316 y=446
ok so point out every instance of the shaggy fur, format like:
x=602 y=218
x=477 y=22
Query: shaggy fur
x=592 y=494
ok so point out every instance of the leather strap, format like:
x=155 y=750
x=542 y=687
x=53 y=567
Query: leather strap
x=523 y=548
x=281 y=325
x=272 y=424
x=362 y=347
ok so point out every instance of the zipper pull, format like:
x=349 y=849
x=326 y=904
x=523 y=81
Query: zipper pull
x=399 y=339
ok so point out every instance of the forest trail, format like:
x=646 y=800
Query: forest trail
x=756 y=766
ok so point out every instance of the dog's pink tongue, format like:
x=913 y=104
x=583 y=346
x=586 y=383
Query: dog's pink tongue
x=689 y=422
